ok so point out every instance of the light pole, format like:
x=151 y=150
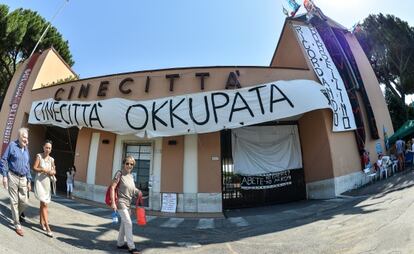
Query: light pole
x=47 y=28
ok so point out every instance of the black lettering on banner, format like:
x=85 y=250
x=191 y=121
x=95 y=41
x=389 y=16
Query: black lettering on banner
x=234 y=109
x=84 y=113
x=266 y=181
x=61 y=112
x=35 y=109
x=76 y=105
x=70 y=118
x=172 y=114
x=284 y=97
x=155 y=117
x=60 y=90
x=259 y=98
x=122 y=83
x=49 y=110
x=56 y=112
x=347 y=123
x=127 y=114
x=335 y=80
x=215 y=107
x=311 y=54
x=94 y=116
x=206 y=108
x=43 y=111
x=345 y=117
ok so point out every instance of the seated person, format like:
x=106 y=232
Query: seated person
x=378 y=164
x=365 y=159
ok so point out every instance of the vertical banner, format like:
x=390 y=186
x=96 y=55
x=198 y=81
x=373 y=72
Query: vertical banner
x=15 y=101
x=326 y=71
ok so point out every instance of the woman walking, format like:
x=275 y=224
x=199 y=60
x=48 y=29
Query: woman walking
x=126 y=191
x=44 y=166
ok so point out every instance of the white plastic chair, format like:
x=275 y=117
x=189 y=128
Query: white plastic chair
x=388 y=164
x=369 y=172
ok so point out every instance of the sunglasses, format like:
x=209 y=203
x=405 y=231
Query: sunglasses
x=129 y=164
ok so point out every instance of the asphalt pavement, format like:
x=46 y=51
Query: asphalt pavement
x=309 y=226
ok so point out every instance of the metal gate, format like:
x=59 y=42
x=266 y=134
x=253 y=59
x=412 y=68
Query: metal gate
x=236 y=197
x=64 y=146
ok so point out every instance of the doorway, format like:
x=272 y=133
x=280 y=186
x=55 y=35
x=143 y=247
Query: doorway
x=142 y=153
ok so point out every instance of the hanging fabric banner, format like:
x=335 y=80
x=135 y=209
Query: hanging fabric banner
x=15 y=101
x=186 y=114
x=326 y=71
x=259 y=150
x=266 y=181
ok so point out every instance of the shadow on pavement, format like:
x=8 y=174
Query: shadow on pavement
x=260 y=221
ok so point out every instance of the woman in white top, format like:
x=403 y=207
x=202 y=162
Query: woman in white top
x=44 y=166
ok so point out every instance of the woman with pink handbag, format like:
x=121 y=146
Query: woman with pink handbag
x=126 y=192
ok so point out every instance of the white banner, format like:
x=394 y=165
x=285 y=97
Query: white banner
x=325 y=69
x=185 y=114
x=259 y=150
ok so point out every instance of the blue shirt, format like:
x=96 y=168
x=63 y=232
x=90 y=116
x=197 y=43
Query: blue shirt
x=17 y=160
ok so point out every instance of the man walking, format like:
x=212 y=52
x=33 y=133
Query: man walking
x=400 y=149
x=15 y=168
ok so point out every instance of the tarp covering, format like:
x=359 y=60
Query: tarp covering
x=261 y=150
x=403 y=131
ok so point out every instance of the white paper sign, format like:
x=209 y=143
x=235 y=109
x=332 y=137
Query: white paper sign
x=169 y=202
x=325 y=69
x=185 y=114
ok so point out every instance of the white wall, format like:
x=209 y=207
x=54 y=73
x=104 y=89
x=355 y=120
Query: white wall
x=190 y=173
x=93 y=156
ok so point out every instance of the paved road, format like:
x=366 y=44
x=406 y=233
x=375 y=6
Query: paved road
x=375 y=219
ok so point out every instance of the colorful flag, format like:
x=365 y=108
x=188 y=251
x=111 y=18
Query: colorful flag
x=294 y=6
x=309 y=5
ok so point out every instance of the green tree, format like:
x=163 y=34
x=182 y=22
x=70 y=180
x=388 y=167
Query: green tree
x=388 y=43
x=397 y=110
x=19 y=32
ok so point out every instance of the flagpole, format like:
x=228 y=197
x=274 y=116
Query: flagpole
x=48 y=26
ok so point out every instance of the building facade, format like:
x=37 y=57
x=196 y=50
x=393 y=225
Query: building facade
x=215 y=137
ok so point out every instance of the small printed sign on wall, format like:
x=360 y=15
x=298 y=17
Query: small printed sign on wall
x=169 y=202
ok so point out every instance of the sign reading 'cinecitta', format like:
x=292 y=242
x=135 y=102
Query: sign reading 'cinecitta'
x=186 y=114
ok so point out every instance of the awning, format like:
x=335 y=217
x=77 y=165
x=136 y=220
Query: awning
x=404 y=131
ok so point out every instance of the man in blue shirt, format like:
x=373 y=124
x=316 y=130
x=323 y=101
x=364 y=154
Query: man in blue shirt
x=15 y=168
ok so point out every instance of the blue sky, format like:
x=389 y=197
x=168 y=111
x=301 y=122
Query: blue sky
x=107 y=37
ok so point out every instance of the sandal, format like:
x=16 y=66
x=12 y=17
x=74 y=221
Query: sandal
x=43 y=227
x=134 y=251
x=49 y=233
